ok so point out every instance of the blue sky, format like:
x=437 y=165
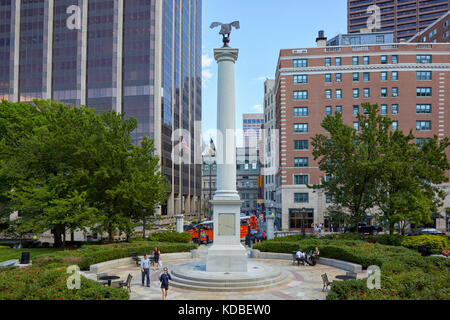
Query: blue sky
x=266 y=27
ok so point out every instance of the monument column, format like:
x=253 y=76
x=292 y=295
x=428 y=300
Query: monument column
x=227 y=254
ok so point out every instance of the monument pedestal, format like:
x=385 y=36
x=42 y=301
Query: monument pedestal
x=227 y=254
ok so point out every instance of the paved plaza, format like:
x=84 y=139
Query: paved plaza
x=305 y=284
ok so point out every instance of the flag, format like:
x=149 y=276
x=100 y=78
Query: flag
x=185 y=145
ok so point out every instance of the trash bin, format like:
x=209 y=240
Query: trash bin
x=25 y=259
x=423 y=250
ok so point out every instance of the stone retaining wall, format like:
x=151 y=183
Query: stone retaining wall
x=103 y=266
x=348 y=266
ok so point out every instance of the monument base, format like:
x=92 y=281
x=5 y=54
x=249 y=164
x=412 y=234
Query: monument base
x=227 y=254
x=226 y=258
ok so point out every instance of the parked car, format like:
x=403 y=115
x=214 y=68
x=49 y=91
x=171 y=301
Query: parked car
x=363 y=227
x=428 y=231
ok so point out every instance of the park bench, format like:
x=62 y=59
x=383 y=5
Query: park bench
x=326 y=282
x=127 y=283
x=136 y=259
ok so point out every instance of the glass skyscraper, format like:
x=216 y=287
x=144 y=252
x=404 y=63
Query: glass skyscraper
x=138 y=57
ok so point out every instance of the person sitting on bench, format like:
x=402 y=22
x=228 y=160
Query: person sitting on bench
x=301 y=257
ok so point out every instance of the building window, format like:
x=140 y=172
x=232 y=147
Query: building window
x=328 y=111
x=423 y=75
x=355 y=76
x=301 y=162
x=339 y=109
x=328 y=94
x=338 y=77
x=384 y=92
x=423 y=125
x=301 y=95
x=356 y=126
x=423 y=58
x=423 y=92
x=421 y=141
x=301 y=78
x=300 y=127
x=355 y=93
x=301 y=112
x=355 y=110
x=384 y=109
x=395 y=92
x=301 y=145
x=328 y=77
x=384 y=76
x=394 y=75
x=327 y=62
x=338 y=61
x=394 y=125
x=423 y=108
x=300 y=63
x=366 y=60
x=355 y=61
x=384 y=60
x=338 y=94
x=328 y=198
x=301 y=197
x=394 y=59
x=366 y=93
x=366 y=76
x=301 y=179
x=395 y=109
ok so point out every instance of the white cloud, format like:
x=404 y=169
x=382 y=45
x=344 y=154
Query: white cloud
x=206 y=75
x=206 y=61
x=258 y=107
x=261 y=78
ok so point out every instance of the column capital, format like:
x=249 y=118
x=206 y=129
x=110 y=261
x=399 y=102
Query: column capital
x=223 y=54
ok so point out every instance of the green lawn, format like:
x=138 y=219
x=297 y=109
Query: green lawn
x=8 y=254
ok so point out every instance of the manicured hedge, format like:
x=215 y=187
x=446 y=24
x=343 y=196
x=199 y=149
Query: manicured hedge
x=42 y=283
x=436 y=244
x=355 y=251
x=88 y=255
x=170 y=237
x=405 y=274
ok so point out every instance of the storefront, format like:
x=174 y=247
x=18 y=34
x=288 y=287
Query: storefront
x=300 y=218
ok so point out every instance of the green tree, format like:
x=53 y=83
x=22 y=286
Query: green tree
x=410 y=176
x=351 y=160
x=65 y=168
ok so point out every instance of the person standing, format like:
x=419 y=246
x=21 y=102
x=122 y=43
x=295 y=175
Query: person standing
x=156 y=254
x=145 y=269
x=164 y=279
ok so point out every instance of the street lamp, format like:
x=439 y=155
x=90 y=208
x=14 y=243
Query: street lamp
x=302 y=211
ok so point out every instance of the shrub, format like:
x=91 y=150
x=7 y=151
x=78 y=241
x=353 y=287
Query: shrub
x=387 y=239
x=436 y=244
x=170 y=237
x=37 y=283
x=88 y=255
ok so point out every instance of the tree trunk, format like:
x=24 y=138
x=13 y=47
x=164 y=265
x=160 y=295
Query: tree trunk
x=144 y=221
x=391 y=228
x=110 y=237
x=58 y=232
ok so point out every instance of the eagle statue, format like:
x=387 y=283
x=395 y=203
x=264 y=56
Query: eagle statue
x=225 y=30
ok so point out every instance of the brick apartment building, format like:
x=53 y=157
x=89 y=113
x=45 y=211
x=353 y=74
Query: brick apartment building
x=439 y=31
x=410 y=82
x=404 y=17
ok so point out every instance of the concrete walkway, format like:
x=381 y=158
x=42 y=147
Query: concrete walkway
x=307 y=284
